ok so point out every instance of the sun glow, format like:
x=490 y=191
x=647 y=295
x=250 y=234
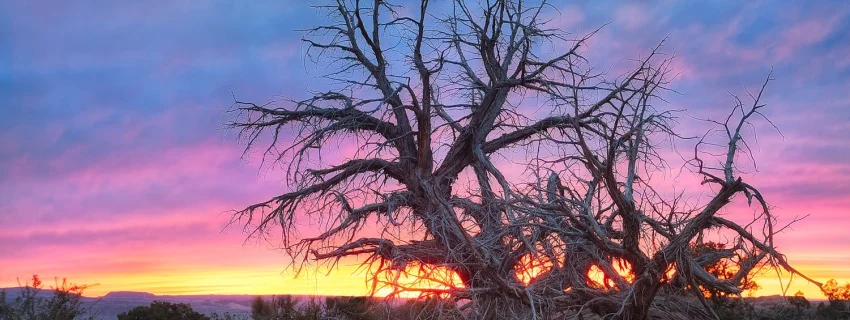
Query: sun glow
x=597 y=277
x=415 y=280
x=530 y=267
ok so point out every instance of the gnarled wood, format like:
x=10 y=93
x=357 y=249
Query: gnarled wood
x=426 y=174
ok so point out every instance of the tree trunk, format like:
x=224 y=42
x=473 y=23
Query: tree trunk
x=643 y=292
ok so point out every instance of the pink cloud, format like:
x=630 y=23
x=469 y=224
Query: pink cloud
x=803 y=34
x=682 y=68
x=567 y=18
x=632 y=15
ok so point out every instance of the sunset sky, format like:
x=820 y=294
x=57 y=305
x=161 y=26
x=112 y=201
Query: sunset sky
x=116 y=169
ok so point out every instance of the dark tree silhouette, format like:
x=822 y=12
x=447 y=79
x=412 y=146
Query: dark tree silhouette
x=799 y=301
x=435 y=98
x=163 y=310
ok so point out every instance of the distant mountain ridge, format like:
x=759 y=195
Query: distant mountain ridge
x=14 y=291
x=129 y=295
x=114 y=303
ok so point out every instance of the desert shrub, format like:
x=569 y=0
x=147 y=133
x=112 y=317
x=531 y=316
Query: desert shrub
x=5 y=308
x=278 y=307
x=64 y=304
x=163 y=310
x=426 y=309
x=351 y=308
x=832 y=310
x=781 y=312
x=285 y=308
x=311 y=310
x=230 y=316
x=799 y=301
x=732 y=309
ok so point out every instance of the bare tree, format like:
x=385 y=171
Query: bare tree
x=434 y=97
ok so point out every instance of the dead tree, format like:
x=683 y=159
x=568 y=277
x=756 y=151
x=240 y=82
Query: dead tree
x=433 y=97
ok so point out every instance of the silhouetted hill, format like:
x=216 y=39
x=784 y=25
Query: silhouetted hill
x=114 y=303
x=129 y=295
x=12 y=293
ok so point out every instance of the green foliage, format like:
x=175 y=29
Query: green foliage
x=64 y=304
x=162 y=310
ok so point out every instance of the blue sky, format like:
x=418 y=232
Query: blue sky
x=112 y=138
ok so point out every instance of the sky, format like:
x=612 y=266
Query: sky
x=116 y=168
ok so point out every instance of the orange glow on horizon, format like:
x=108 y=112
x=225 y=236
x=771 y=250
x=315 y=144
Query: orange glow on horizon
x=343 y=281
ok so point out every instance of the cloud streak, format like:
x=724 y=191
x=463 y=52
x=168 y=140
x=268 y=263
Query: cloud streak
x=115 y=168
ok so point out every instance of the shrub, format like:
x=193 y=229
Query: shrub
x=230 y=316
x=162 y=310
x=352 y=308
x=284 y=307
x=64 y=304
x=426 y=309
x=799 y=301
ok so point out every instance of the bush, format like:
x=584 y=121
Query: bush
x=732 y=309
x=426 y=309
x=229 y=316
x=836 y=309
x=64 y=304
x=352 y=308
x=284 y=307
x=799 y=301
x=162 y=310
